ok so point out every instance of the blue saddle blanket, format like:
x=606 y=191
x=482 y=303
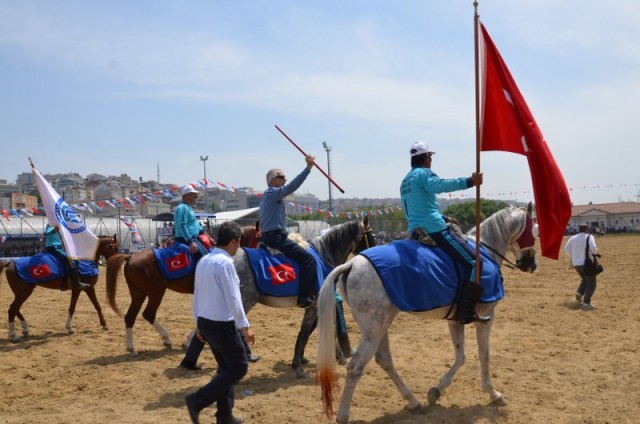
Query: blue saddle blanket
x=277 y=275
x=420 y=278
x=43 y=267
x=175 y=261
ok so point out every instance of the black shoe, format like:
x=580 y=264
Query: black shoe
x=253 y=358
x=189 y=365
x=305 y=301
x=230 y=420
x=193 y=412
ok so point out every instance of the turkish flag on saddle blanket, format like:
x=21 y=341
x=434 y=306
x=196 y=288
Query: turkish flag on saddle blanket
x=420 y=278
x=277 y=275
x=43 y=267
x=175 y=261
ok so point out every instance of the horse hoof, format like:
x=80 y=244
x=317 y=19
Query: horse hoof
x=70 y=331
x=499 y=401
x=15 y=339
x=433 y=395
x=304 y=361
x=167 y=345
x=105 y=327
x=300 y=373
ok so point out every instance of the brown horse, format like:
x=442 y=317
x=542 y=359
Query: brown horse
x=107 y=247
x=144 y=280
x=250 y=236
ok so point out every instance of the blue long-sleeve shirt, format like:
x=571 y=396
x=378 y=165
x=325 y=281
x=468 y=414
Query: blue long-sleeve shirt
x=186 y=224
x=418 y=194
x=272 y=206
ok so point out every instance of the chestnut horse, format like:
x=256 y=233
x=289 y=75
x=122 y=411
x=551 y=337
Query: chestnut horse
x=145 y=281
x=107 y=247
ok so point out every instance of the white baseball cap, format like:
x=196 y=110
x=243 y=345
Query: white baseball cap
x=188 y=189
x=420 y=148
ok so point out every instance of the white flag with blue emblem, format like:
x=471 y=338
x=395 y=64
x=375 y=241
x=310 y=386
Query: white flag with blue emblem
x=79 y=241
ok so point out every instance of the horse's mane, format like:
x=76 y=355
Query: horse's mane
x=501 y=228
x=335 y=245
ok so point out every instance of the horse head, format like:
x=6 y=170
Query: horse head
x=340 y=241
x=511 y=229
x=107 y=246
x=523 y=247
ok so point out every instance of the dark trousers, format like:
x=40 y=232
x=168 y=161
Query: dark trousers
x=228 y=349
x=196 y=346
x=459 y=250
x=587 y=285
x=277 y=239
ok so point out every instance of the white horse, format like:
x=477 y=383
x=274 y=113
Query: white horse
x=509 y=229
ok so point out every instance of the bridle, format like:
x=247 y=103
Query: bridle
x=525 y=242
x=365 y=231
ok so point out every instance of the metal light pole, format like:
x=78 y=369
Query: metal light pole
x=328 y=150
x=204 y=164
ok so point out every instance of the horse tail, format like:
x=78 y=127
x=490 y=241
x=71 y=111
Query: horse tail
x=114 y=264
x=326 y=368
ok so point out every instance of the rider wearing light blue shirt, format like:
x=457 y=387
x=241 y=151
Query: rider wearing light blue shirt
x=187 y=227
x=418 y=195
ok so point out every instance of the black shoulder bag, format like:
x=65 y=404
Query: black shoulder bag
x=591 y=266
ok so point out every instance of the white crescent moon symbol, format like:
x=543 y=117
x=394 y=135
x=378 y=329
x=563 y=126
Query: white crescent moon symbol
x=176 y=263
x=37 y=271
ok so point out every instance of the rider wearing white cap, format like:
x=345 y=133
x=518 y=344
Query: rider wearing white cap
x=418 y=194
x=187 y=227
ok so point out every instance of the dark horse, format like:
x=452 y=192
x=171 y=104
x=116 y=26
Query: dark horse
x=107 y=247
x=144 y=280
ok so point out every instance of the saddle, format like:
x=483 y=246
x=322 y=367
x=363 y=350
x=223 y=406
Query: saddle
x=420 y=278
x=175 y=262
x=276 y=275
x=43 y=267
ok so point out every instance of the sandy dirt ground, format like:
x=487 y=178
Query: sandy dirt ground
x=553 y=362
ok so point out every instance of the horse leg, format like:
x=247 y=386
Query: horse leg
x=309 y=322
x=14 y=310
x=483 y=332
x=383 y=358
x=91 y=293
x=456 y=331
x=137 y=299
x=366 y=349
x=149 y=314
x=75 y=294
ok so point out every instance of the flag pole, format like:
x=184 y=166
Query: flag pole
x=314 y=163
x=478 y=147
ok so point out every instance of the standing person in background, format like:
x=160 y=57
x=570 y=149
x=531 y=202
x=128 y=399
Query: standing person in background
x=53 y=245
x=418 y=195
x=273 y=222
x=221 y=322
x=576 y=247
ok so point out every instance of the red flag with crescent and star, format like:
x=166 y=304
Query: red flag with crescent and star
x=507 y=124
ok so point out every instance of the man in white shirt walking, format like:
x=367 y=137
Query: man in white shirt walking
x=218 y=311
x=575 y=248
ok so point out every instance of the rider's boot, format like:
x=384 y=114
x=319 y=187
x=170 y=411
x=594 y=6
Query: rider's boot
x=345 y=344
x=76 y=284
x=466 y=308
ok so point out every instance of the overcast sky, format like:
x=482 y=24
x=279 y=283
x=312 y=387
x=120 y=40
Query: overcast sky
x=121 y=86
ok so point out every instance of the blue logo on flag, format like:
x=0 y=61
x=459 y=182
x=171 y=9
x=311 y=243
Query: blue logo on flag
x=68 y=218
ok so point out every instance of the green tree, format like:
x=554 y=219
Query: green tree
x=465 y=213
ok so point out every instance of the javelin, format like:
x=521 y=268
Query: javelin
x=316 y=165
